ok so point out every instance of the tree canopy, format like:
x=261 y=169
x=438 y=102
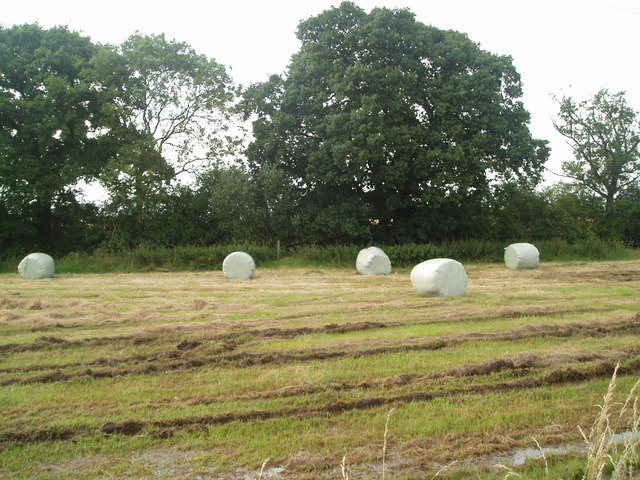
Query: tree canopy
x=604 y=133
x=174 y=112
x=382 y=129
x=54 y=120
x=389 y=127
x=133 y=116
x=177 y=99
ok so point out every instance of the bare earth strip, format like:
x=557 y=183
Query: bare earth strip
x=190 y=375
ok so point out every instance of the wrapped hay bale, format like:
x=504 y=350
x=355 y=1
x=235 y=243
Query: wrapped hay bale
x=439 y=277
x=521 y=255
x=35 y=266
x=373 y=261
x=238 y=265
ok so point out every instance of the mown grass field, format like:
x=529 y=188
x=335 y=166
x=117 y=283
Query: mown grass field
x=189 y=375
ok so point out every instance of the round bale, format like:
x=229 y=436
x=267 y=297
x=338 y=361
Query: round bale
x=238 y=265
x=373 y=261
x=36 y=265
x=439 y=277
x=521 y=255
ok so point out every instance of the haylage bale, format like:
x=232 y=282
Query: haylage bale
x=238 y=265
x=36 y=265
x=521 y=255
x=439 y=277
x=373 y=261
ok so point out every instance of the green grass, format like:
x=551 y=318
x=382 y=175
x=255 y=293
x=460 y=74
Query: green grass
x=265 y=350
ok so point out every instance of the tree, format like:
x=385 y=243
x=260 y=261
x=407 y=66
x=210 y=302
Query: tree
x=576 y=213
x=230 y=208
x=519 y=213
x=391 y=129
x=55 y=121
x=174 y=110
x=626 y=216
x=604 y=133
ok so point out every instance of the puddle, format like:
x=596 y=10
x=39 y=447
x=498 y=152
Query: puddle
x=519 y=456
x=272 y=472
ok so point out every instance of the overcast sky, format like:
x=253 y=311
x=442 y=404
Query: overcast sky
x=572 y=47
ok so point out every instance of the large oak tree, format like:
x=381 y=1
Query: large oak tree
x=391 y=130
x=55 y=120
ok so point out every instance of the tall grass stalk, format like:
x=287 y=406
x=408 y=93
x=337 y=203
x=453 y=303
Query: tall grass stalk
x=384 y=445
x=444 y=469
x=544 y=457
x=264 y=464
x=603 y=450
x=344 y=469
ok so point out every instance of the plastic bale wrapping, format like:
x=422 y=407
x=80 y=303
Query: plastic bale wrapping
x=373 y=261
x=238 y=266
x=36 y=265
x=439 y=277
x=521 y=255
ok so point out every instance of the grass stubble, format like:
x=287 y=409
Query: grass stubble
x=188 y=375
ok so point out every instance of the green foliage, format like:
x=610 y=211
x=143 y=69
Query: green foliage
x=174 y=259
x=391 y=128
x=588 y=249
x=174 y=112
x=333 y=255
x=228 y=195
x=624 y=219
x=605 y=135
x=520 y=212
x=178 y=100
x=54 y=122
x=575 y=214
x=383 y=131
x=470 y=251
x=195 y=258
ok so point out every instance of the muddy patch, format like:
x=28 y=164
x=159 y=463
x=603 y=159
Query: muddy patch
x=188 y=345
x=129 y=427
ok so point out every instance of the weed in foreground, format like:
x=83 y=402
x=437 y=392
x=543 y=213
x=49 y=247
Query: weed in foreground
x=264 y=464
x=604 y=453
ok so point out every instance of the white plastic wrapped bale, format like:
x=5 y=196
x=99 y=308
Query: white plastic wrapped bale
x=36 y=265
x=373 y=261
x=238 y=265
x=439 y=277
x=521 y=255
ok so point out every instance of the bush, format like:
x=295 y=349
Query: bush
x=159 y=258
x=407 y=255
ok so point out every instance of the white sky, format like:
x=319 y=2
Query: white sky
x=573 y=47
